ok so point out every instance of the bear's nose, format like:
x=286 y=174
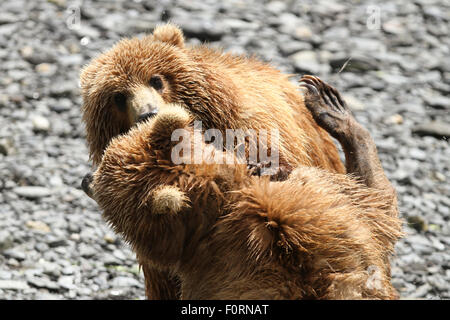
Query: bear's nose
x=147 y=115
x=86 y=184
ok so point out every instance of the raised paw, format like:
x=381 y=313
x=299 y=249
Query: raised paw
x=327 y=107
x=163 y=125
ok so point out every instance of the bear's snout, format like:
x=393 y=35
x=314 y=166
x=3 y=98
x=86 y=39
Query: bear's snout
x=86 y=184
x=147 y=115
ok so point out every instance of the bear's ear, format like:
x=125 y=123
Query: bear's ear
x=169 y=33
x=168 y=200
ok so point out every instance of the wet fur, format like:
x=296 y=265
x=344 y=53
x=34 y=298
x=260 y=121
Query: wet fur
x=224 y=91
x=231 y=235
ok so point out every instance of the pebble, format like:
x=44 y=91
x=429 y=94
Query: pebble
x=394 y=26
x=420 y=291
x=307 y=62
x=203 y=30
x=125 y=282
x=352 y=64
x=43 y=283
x=436 y=129
x=110 y=238
x=418 y=154
x=32 y=192
x=394 y=119
x=46 y=69
x=41 y=247
x=6 y=240
x=303 y=33
x=47 y=296
x=6 y=146
x=66 y=282
x=276 y=7
x=353 y=102
x=290 y=47
x=86 y=251
x=15 y=254
x=38 y=226
x=62 y=105
x=438 y=102
x=119 y=255
x=13 y=285
x=56 y=241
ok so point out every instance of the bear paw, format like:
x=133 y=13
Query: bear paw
x=164 y=124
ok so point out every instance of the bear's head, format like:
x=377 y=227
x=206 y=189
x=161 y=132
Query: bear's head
x=137 y=78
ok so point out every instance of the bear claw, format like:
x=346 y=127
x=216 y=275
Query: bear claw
x=326 y=105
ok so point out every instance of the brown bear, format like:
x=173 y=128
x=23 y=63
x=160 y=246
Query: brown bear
x=227 y=234
x=137 y=78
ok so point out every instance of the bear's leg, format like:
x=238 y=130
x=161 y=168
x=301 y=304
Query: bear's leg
x=159 y=284
x=331 y=112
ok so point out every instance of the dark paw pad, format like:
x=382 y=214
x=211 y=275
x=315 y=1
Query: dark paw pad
x=326 y=105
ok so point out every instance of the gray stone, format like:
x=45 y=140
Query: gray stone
x=438 y=102
x=32 y=192
x=69 y=270
x=125 y=282
x=46 y=69
x=276 y=7
x=6 y=240
x=353 y=103
x=86 y=251
x=37 y=56
x=43 y=283
x=308 y=62
x=414 y=262
x=6 y=146
x=66 y=282
x=435 y=129
x=421 y=291
x=47 y=296
x=13 y=285
x=394 y=26
x=203 y=30
x=356 y=64
x=290 y=47
x=110 y=260
x=119 y=255
x=71 y=60
x=41 y=247
x=418 y=154
x=15 y=253
x=62 y=89
x=56 y=241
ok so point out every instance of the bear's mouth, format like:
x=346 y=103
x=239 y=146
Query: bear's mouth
x=141 y=119
x=147 y=115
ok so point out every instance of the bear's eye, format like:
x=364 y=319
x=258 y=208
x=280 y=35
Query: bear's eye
x=120 y=99
x=156 y=82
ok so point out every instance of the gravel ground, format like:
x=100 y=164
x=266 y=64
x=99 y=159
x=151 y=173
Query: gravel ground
x=53 y=241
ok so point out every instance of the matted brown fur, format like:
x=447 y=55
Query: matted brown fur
x=317 y=235
x=224 y=91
